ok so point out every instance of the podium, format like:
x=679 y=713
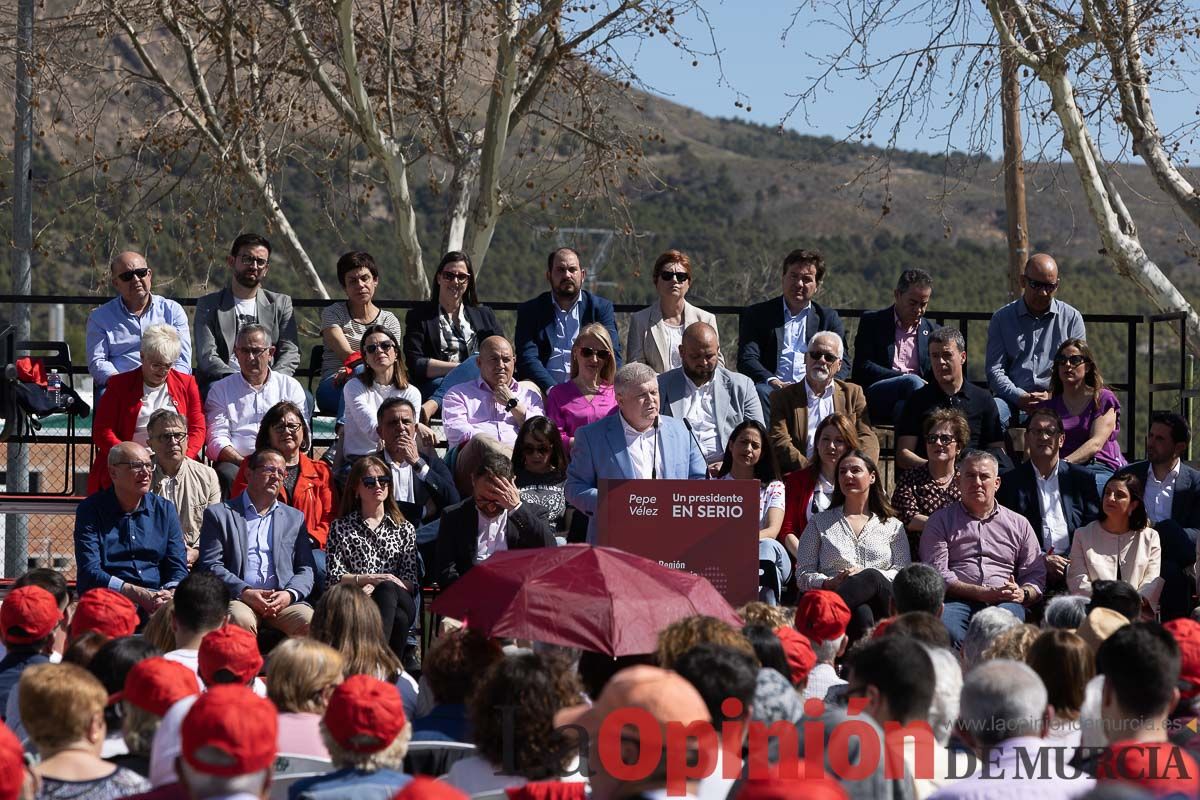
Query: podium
x=709 y=528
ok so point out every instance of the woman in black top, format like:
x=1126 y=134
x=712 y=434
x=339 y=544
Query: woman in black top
x=540 y=464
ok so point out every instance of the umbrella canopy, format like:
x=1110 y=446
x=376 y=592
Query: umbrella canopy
x=595 y=598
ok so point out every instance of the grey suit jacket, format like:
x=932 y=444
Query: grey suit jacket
x=223 y=548
x=647 y=341
x=734 y=395
x=215 y=327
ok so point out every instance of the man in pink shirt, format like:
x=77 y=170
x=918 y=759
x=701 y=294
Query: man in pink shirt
x=495 y=405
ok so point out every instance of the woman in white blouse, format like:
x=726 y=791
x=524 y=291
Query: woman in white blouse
x=748 y=458
x=656 y=331
x=1120 y=545
x=857 y=546
x=383 y=376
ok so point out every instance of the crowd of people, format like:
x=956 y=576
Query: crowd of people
x=215 y=539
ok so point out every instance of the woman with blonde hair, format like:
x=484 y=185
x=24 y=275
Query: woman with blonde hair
x=301 y=674
x=656 y=331
x=589 y=395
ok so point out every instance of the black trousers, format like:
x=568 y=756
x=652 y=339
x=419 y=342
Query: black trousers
x=397 y=610
x=869 y=595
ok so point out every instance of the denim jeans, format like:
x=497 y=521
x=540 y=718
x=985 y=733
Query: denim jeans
x=956 y=616
x=772 y=550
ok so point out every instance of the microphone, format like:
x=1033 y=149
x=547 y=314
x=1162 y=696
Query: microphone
x=654 y=455
x=688 y=424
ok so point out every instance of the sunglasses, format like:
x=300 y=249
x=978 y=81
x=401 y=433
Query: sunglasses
x=130 y=274
x=376 y=347
x=456 y=277
x=678 y=277
x=371 y=481
x=589 y=352
x=939 y=438
x=1041 y=286
x=536 y=449
x=1071 y=361
x=828 y=358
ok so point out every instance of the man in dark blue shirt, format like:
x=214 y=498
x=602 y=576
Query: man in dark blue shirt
x=127 y=539
x=28 y=619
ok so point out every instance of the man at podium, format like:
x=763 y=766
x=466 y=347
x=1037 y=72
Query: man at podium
x=635 y=443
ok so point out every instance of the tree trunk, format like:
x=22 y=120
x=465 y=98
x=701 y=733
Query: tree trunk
x=291 y=242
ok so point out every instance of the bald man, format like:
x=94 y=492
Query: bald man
x=114 y=330
x=1023 y=337
x=708 y=398
x=494 y=404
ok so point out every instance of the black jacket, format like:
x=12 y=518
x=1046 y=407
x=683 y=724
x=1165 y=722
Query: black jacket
x=1076 y=486
x=760 y=330
x=458 y=537
x=422 y=339
x=875 y=347
x=437 y=485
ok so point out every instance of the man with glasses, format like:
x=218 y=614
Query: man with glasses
x=127 y=539
x=797 y=409
x=421 y=482
x=114 y=330
x=261 y=549
x=237 y=403
x=1023 y=337
x=495 y=405
x=189 y=485
x=220 y=316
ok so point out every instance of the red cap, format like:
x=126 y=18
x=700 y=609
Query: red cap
x=27 y=615
x=1158 y=767
x=822 y=615
x=881 y=627
x=1187 y=636
x=229 y=648
x=104 y=611
x=155 y=684
x=230 y=731
x=12 y=762
x=802 y=787
x=364 y=714
x=422 y=787
x=800 y=656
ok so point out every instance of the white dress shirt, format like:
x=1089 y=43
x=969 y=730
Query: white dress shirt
x=234 y=409
x=404 y=478
x=791 y=368
x=361 y=434
x=674 y=340
x=1159 y=495
x=491 y=534
x=643 y=449
x=1054 y=523
x=702 y=414
x=820 y=406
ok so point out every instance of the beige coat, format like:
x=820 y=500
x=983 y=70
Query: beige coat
x=648 y=341
x=1096 y=553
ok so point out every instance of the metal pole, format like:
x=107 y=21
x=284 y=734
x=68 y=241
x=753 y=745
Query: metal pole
x=16 y=539
x=1014 y=172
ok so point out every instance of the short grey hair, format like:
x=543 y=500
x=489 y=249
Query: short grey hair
x=632 y=375
x=985 y=626
x=827 y=651
x=251 y=329
x=947 y=334
x=980 y=455
x=162 y=341
x=1002 y=700
x=1067 y=611
x=947 y=686
x=202 y=785
x=163 y=417
x=119 y=452
x=831 y=336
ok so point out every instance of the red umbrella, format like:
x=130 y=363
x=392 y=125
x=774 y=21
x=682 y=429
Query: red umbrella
x=595 y=598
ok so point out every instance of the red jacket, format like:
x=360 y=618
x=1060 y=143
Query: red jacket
x=314 y=495
x=117 y=414
x=798 y=486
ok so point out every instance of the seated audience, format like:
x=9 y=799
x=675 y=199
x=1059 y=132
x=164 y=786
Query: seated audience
x=985 y=627
x=127 y=539
x=201 y=607
x=421 y=482
x=987 y=554
x=539 y=464
x=1013 y=643
x=1023 y=337
x=823 y=617
x=684 y=634
x=709 y=399
x=152 y=686
x=918 y=587
x=748 y=458
x=1090 y=412
x=301 y=675
x=656 y=332
x=452 y=669
x=29 y=618
x=798 y=408
x=493 y=519
x=227 y=744
x=919 y=625
x=548 y=325
x=1120 y=545
x=1057 y=497
x=62 y=707
x=636 y=442
x=588 y=396
x=223 y=315
x=373 y=547
x=186 y=483
x=768 y=649
x=1065 y=664
x=343 y=324
x=17 y=782
x=383 y=376
x=891 y=347
x=1172 y=498
x=230 y=655
x=115 y=329
x=856 y=547
x=495 y=405
x=949 y=389
x=774 y=335
x=308 y=486
x=131 y=398
x=809 y=491
x=104 y=611
x=1065 y=611
x=442 y=337
x=933 y=485
x=367 y=733
x=111 y=666
x=798 y=652
x=55 y=582
x=720 y=673
x=263 y=556
x=237 y=403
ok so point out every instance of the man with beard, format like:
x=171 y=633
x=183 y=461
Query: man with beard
x=797 y=409
x=220 y=315
x=548 y=324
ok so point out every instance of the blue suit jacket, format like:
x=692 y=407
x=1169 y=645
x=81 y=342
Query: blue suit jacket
x=1185 y=501
x=600 y=453
x=875 y=347
x=535 y=324
x=223 y=548
x=760 y=337
x=1076 y=488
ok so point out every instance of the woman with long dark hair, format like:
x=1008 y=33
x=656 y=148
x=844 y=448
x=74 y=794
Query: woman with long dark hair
x=383 y=376
x=748 y=457
x=540 y=465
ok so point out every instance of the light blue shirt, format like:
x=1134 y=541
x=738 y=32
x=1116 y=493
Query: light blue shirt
x=566 y=328
x=1021 y=347
x=114 y=336
x=795 y=344
x=260 y=545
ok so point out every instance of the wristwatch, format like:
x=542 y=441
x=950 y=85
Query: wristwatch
x=511 y=404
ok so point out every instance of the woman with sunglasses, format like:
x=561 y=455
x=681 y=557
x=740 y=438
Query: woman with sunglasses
x=372 y=546
x=443 y=335
x=656 y=331
x=383 y=376
x=922 y=491
x=1091 y=413
x=589 y=395
x=540 y=466
x=749 y=458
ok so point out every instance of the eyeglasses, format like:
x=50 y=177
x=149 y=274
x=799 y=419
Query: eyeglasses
x=828 y=358
x=138 y=466
x=592 y=352
x=286 y=427
x=1042 y=433
x=171 y=436
x=376 y=347
x=253 y=352
x=1041 y=286
x=456 y=277
x=251 y=261
x=371 y=481
x=939 y=438
x=130 y=274
x=278 y=472
x=1071 y=361
x=678 y=277
x=536 y=449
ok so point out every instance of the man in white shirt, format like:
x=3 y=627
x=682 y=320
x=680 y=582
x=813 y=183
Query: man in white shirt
x=421 y=482
x=201 y=606
x=237 y=403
